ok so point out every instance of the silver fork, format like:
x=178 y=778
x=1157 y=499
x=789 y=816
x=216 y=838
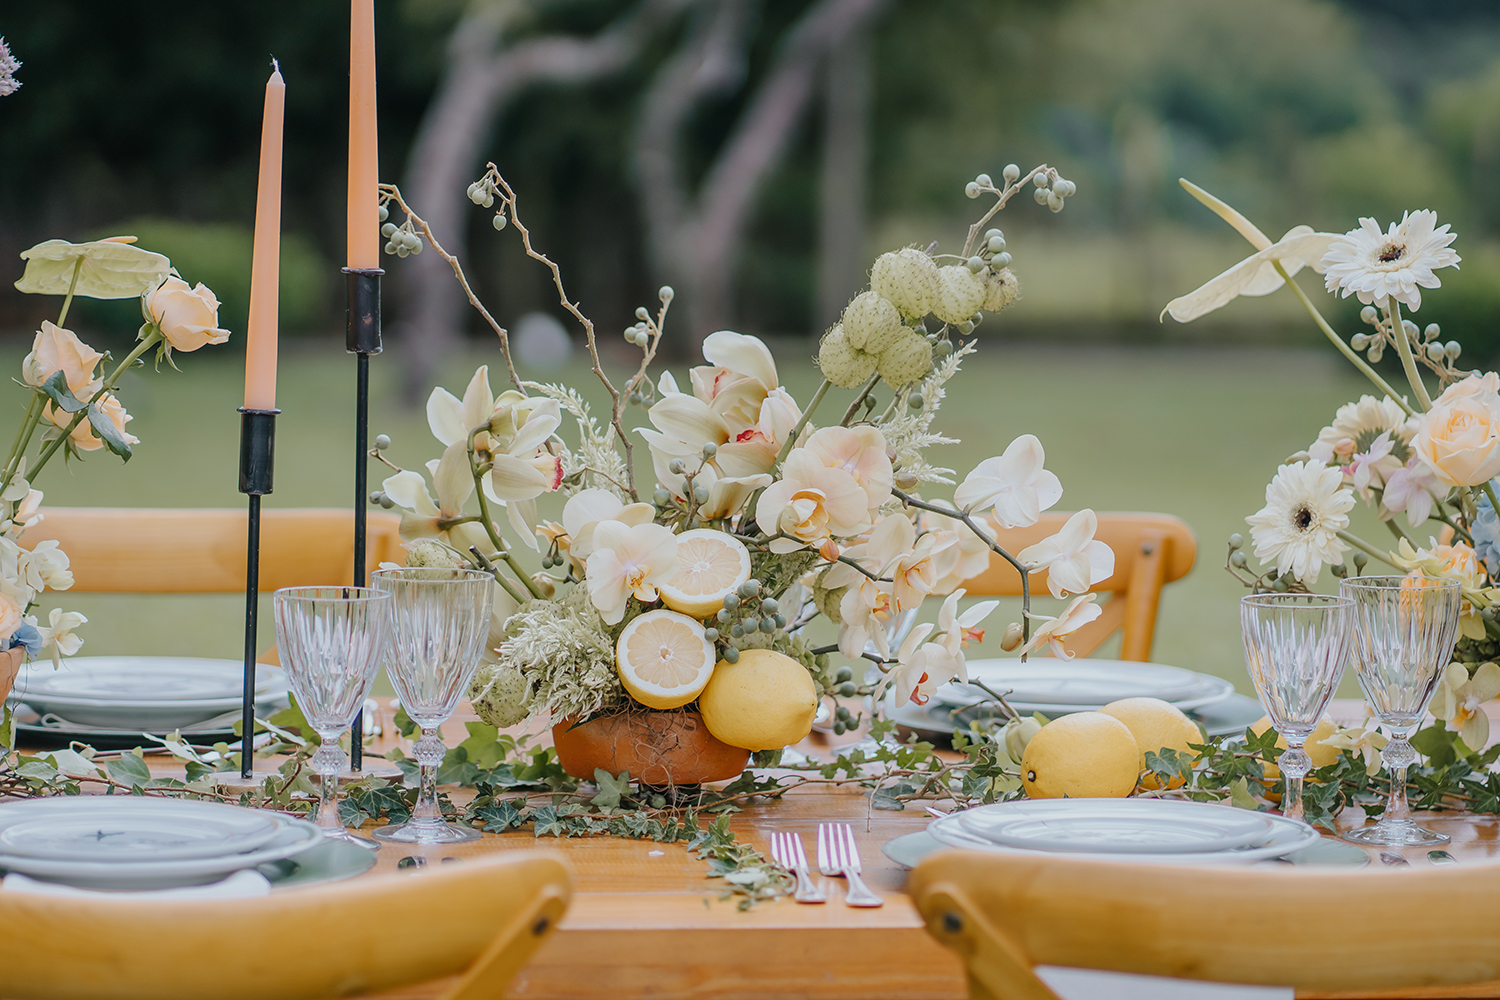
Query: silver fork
x=786 y=851
x=838 y=856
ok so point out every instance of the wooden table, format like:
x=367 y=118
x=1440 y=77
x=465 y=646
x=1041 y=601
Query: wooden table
x=646 y=922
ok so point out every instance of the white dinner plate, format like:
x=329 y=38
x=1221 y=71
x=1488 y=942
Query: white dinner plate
x=1284 y=837
x=293 y=837
x=1047 y=680
x=1116 y=826
x=130 y=829
x=141 y=692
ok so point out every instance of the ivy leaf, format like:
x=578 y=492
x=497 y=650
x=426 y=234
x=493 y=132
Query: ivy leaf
x=885 y=797
x=404 y=724
x=483 y=745
x=112 y=436
x=611 y=789
x=1436 y=743
x=56 y=388
x=130 y=769
x=1239 y=795
x=498 y=816
x=38 y=769
x=545 y=822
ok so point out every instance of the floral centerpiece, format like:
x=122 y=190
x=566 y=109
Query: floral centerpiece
x=1423 y=458
x=691 y=593
x=72 y=408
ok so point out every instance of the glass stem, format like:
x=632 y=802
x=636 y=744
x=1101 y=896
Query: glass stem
x=429 y=751
x=329 y=762
x=1294 y=764
x=1397 y=756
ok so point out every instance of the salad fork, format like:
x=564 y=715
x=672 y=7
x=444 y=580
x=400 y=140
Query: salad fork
x=786 y=851
x=839 y=856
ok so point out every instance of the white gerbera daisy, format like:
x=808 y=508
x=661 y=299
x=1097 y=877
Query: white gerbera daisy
x=1380 y=266
x=1356 y=426
x=1298 y=527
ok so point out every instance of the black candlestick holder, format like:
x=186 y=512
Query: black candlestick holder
x=257 y=464
x=362 y=339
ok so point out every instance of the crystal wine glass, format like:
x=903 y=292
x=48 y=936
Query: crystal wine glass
x=1405 y=628
x=440 y=619
x=1296 y=646
x=332 y=640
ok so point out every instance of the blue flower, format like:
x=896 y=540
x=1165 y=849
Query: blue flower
x=27 y=635
x=1486 y=533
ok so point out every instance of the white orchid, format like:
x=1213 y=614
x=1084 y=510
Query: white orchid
x=911 y=669
x=811 y=505
x=860 y=452
x=628 y=561
x=44 y=567
x=958 y=554
x=1073 y=559
x=957 y=630
x=443 y=518
x=57 y=635
x=587 y=509
x=1365 y=742
x=864 y=612
x=1015 y=484
x=1053 y=631
x=1460 y=701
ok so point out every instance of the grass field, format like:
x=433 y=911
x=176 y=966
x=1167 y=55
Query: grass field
x=1196 y=433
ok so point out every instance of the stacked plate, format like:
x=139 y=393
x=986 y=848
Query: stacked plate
x=136 y=843
x=104 y=697
x=1152 y=831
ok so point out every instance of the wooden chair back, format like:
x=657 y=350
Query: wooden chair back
x=169 y=551
x=1151 y=550
x=482 y=918
x=1275 y=926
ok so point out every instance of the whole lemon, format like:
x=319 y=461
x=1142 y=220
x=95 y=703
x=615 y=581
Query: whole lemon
x=1086 y=755
x=765 y=701
x=1321 y=756
x=1156 y=725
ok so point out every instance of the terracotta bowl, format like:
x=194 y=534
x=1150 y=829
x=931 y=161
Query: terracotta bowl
x=10 y=666
x=658 y=748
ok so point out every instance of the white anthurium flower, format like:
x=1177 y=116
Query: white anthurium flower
x=57 y=635
x=1256 y=274
x=451 y=419
x=628 y=561
x=1460 y=701
x=587 y=509
x=1411 y=489
x=1014 y=484
x=1073 y=558
x=1366 y=743
x=811 y=505
x=111 y=268
x=1053 y=631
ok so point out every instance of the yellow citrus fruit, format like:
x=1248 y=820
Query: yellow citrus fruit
x=710 y=566
x=1086 y=755
x=1156 y=725
x=764 y=701
x=663 y=659
x=1321 y=756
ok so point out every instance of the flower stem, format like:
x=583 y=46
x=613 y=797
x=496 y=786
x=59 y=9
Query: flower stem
x=149 y=342
x=786 y=446
x=1338 y=342
x=68 y=299
x=23 y=438
x=864 y=394
x=501 y=549
x=1367 y=549
x=1489 y=491
x=1408 y=363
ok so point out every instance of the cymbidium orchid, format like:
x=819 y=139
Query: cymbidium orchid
x=1073 y=558
x=57 y=635
x=442 y=518
x=1365 y=742
x=628 y=560
x=1460 y=699
x=1053 y=631
x=1014 y=484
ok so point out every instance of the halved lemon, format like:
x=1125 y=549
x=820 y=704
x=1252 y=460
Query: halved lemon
x=710 y=566
x=663 y=659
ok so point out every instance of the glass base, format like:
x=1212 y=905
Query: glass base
x=352 y=838
x=1394 y=835
x=426 y=833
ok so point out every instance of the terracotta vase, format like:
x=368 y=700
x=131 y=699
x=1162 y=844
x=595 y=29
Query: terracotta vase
x=10 y=666
x=658 y=748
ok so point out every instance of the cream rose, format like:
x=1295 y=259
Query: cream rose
x=188 y=317
x=12 y=617
x=83 y=435
x=1459 y=438
x=56 y=349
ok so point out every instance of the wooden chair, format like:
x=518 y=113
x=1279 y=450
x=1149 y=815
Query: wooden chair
x=1313 y=930
x=1151 y=550
x=125 y=550
x=483 y=918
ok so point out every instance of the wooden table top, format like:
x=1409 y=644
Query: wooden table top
x=646 y=921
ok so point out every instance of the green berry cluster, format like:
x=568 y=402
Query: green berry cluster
x=1426 y=342
x=744 y=614
x=400 y=240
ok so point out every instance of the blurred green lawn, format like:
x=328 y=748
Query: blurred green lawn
x=1192 y=432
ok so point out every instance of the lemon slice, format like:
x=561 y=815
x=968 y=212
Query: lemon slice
x=663 y=659
x=710 y=566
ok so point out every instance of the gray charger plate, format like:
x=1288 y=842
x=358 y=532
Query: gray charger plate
x=913 y=847
x=1229 y=717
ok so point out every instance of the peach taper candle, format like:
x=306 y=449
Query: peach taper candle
x=364 y=160
x=260 y=334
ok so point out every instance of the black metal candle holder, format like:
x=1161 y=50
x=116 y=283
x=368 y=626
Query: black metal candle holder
x=362 y=339
x=257 y=464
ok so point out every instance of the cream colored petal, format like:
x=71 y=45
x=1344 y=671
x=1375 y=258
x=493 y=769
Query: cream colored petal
x=479 y=400
x=409 y=490
x=689 y=419
x=589 y=505
x=445 y=416
x=539 y=426
x=728 y=494
x=741 y=353
x=1485 y=684
x=1255 y=275
x=514 y=479
x=746 y=458
x=453 y=480
x=522 y=517
x=636 y=513
x=111 y=270
x=1475 y=732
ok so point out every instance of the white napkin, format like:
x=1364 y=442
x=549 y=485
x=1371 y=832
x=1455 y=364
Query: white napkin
x=1091 y=984
x=240 y=885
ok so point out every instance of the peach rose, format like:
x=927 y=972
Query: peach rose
x=12 y=617
x=1459 y=438
x=56 y=349
x=83 y=435
x=188 y=317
